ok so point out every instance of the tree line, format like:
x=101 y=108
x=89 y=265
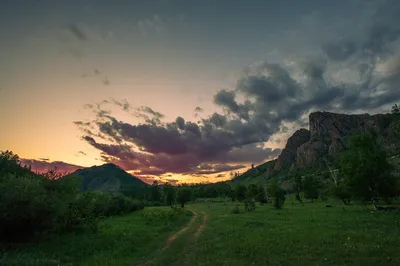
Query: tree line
x=34 y=204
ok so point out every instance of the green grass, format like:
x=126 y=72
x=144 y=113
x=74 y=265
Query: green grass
x=120 y=241
x=297 y=235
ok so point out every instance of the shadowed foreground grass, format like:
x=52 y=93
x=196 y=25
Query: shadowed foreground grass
x=297 y=235
x=120 y=241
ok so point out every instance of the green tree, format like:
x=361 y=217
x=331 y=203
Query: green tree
x=11 y=164
x=240 y=192
x=155 y=192
x=310 y=186
x=183 y=195
x=169 y=193
x=366 y=170
x=277 y=193
x=297 y=185
x=252 y=191
x=341 y=191
x=261 y=197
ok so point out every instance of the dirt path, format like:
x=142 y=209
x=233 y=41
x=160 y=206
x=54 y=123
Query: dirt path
x=203 y=224
x=174 y=236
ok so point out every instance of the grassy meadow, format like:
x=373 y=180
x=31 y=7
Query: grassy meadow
x=309 y=234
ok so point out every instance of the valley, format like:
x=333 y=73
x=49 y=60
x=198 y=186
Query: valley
x=309 y=234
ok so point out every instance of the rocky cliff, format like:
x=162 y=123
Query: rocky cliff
x=329 y=133
x=288 y=155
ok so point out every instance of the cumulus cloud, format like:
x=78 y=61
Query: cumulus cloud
x=267 y=97
x=156 y=148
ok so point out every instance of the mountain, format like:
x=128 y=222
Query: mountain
x=257 y=174
x=328 y=135
x=110 y=178
x=289 y=153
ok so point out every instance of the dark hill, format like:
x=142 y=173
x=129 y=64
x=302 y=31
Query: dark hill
x=109 y=178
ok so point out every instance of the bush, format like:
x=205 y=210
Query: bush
x=236 y=209
x=166 y=217
x=24 y=207
x=249 y=204
x=276 y=192
x=31 y=204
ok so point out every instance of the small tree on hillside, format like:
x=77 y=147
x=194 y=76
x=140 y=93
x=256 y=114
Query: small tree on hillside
x=395 y=109
x=366 y=170
x=183 y=196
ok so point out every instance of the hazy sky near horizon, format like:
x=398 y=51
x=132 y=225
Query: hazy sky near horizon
x=186 y=90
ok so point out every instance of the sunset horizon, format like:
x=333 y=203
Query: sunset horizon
x=186 y=93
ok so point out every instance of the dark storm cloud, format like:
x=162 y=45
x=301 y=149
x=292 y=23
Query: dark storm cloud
x=180 y=122
x=340 y=50
x=177 y=147
x=315 y=69
x=265 y=96
x=218 y=120
x=248 y=153
x=227 y=99
x=77 y=32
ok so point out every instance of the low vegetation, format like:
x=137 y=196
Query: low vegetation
x=32 y=205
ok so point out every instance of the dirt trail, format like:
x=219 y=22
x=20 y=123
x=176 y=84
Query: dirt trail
x=203 y=224
x=174 y=236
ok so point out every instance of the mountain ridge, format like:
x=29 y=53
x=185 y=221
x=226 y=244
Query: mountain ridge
x=109 y=178
x=328 y=135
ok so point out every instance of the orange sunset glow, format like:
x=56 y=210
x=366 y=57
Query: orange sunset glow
x=181 y=93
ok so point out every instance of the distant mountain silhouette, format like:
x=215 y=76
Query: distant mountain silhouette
x=109 y=178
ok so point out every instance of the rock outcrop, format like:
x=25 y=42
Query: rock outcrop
x=288 y=155
x=329 y=133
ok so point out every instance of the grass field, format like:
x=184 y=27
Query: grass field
x=212 y=235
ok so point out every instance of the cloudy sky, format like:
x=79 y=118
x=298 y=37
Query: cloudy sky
x=186 y=90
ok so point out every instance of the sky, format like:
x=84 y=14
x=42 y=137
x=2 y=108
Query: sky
x=186 y=91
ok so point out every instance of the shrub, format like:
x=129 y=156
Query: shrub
x=277 y=193
x=24 y=207
x=32 y=204
x=249 y=204
x=236 y=209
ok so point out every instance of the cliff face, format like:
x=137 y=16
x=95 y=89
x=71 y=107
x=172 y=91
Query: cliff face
x=288 y=155
x=329 y=133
